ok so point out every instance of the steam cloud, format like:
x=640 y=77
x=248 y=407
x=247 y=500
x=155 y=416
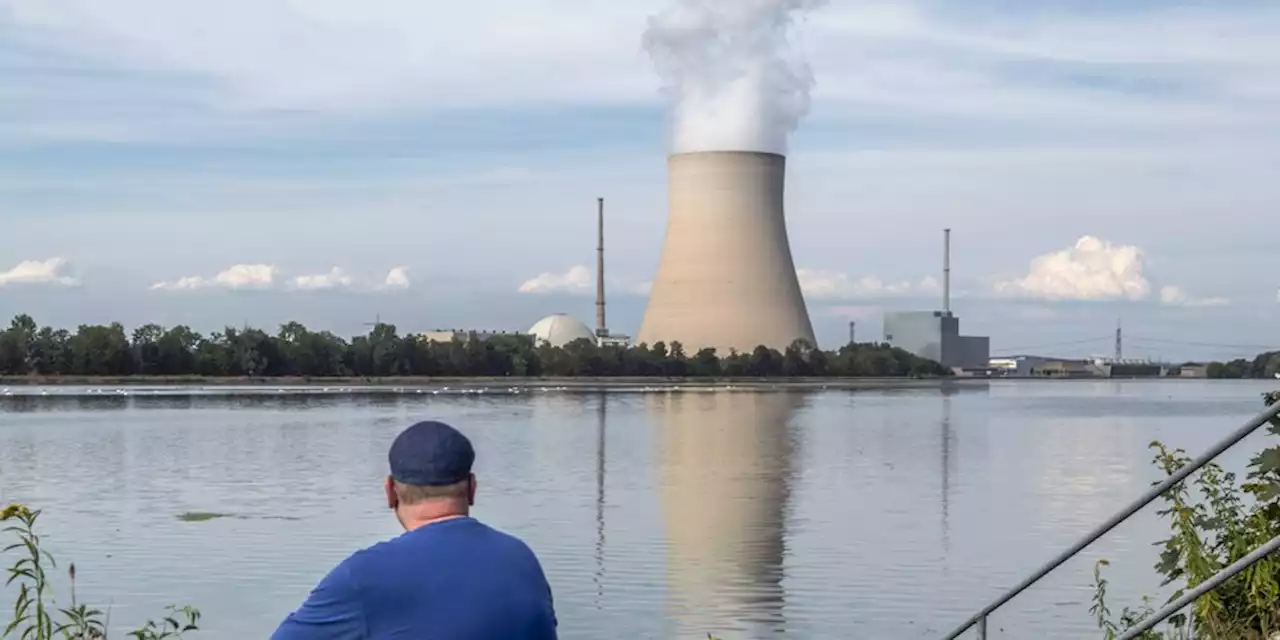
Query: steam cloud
x=728 y=69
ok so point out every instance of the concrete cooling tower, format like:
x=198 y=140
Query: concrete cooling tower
x=726 y=278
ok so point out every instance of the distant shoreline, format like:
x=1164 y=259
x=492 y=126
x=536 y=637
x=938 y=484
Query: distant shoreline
x=391 y=383
x=580 y=382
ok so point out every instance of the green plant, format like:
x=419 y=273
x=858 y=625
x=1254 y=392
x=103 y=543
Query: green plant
x=1215 y=521
x=34 y=610
x=169 y=627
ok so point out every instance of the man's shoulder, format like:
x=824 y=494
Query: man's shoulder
x=499 y=536
x=444 y=535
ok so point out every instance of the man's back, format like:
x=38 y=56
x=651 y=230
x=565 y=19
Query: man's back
x=455 y=579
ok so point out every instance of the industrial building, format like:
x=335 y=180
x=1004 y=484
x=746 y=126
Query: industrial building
x=1096 y=367
x=726 y=279
x=559 y=330
x=936 y=334
x=461 y=335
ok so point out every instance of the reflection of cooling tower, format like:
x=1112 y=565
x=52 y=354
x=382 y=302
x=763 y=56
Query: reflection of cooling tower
x=725 y=468
x=726 y=279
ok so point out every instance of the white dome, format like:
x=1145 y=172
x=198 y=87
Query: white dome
x=559 y=330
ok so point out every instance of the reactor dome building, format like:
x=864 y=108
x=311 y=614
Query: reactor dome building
x=559 y=330
x=726 y=279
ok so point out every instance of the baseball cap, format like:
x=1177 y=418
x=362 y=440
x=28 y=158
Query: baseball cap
x=431 y=454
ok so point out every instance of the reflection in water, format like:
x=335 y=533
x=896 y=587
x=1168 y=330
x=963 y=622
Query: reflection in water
x=947 y=437
x=601 y=419
x=725 y=465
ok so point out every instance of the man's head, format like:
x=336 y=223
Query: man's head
x=431 y=474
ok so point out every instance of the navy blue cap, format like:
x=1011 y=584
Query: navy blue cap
x=431 y=454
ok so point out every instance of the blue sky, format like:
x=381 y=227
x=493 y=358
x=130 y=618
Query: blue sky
x=146 y=142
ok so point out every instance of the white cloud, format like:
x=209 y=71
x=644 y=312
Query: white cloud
x=578 y=279
x=397 y=279
x=820 y=285
x=832 y=285
x=54 y=271
x=1095 y=269
x=335 y=279
x=266 y=276
x=1176 y=297
x=240 y=276
x=1092 y=269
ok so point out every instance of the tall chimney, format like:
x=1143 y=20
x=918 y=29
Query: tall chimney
x=601 y=328
x=946 y=271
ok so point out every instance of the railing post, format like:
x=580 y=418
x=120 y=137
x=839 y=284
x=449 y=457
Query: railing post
x=982 y=628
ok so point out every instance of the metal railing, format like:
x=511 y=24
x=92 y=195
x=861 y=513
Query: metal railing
x=979 y=619
x=1204 y=587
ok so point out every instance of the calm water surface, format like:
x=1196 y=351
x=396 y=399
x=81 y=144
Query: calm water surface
x=835 y=514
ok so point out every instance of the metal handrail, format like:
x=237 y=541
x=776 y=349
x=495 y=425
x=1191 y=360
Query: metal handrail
x=979 y=619
x=1204 y=587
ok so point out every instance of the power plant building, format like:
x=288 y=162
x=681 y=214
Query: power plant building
x=559 y=330
x=461 y=335
x=936 y=335
x=726 y=278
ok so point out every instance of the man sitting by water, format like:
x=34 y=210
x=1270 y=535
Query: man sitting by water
x=447 y=577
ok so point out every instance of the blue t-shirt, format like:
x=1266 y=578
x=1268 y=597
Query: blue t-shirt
x=454 y=580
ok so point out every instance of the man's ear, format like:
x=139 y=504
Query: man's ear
x=471 y=491
x=393 y=500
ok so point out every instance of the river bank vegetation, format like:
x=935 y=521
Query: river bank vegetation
x=1264 y=365
x=36 y=613
x=1215 y=520
x=27 y=349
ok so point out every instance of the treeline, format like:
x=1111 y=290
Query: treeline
x=1265 y=365
x=294 y=350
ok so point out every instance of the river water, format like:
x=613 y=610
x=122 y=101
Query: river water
x=828 y=514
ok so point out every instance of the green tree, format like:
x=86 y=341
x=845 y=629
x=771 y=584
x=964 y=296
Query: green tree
x=295 y=350
x=98 y=350
x=705 y=363
x=147 y=350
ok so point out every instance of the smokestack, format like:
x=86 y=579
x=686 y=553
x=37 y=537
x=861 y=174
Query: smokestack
x=601 y=327
x=726 y=279
x=946 y=271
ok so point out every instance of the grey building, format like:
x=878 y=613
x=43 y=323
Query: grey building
x=936 y=335
x=461 y=335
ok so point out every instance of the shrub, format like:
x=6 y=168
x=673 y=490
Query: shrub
x=1215 y=521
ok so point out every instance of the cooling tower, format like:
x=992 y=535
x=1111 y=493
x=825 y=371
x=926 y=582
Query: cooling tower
x=726 y=279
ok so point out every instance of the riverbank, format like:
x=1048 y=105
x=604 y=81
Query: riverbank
x=586 y=382
x=357 y=384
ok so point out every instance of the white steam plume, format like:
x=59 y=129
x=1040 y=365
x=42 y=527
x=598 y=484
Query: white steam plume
x=728 y=69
